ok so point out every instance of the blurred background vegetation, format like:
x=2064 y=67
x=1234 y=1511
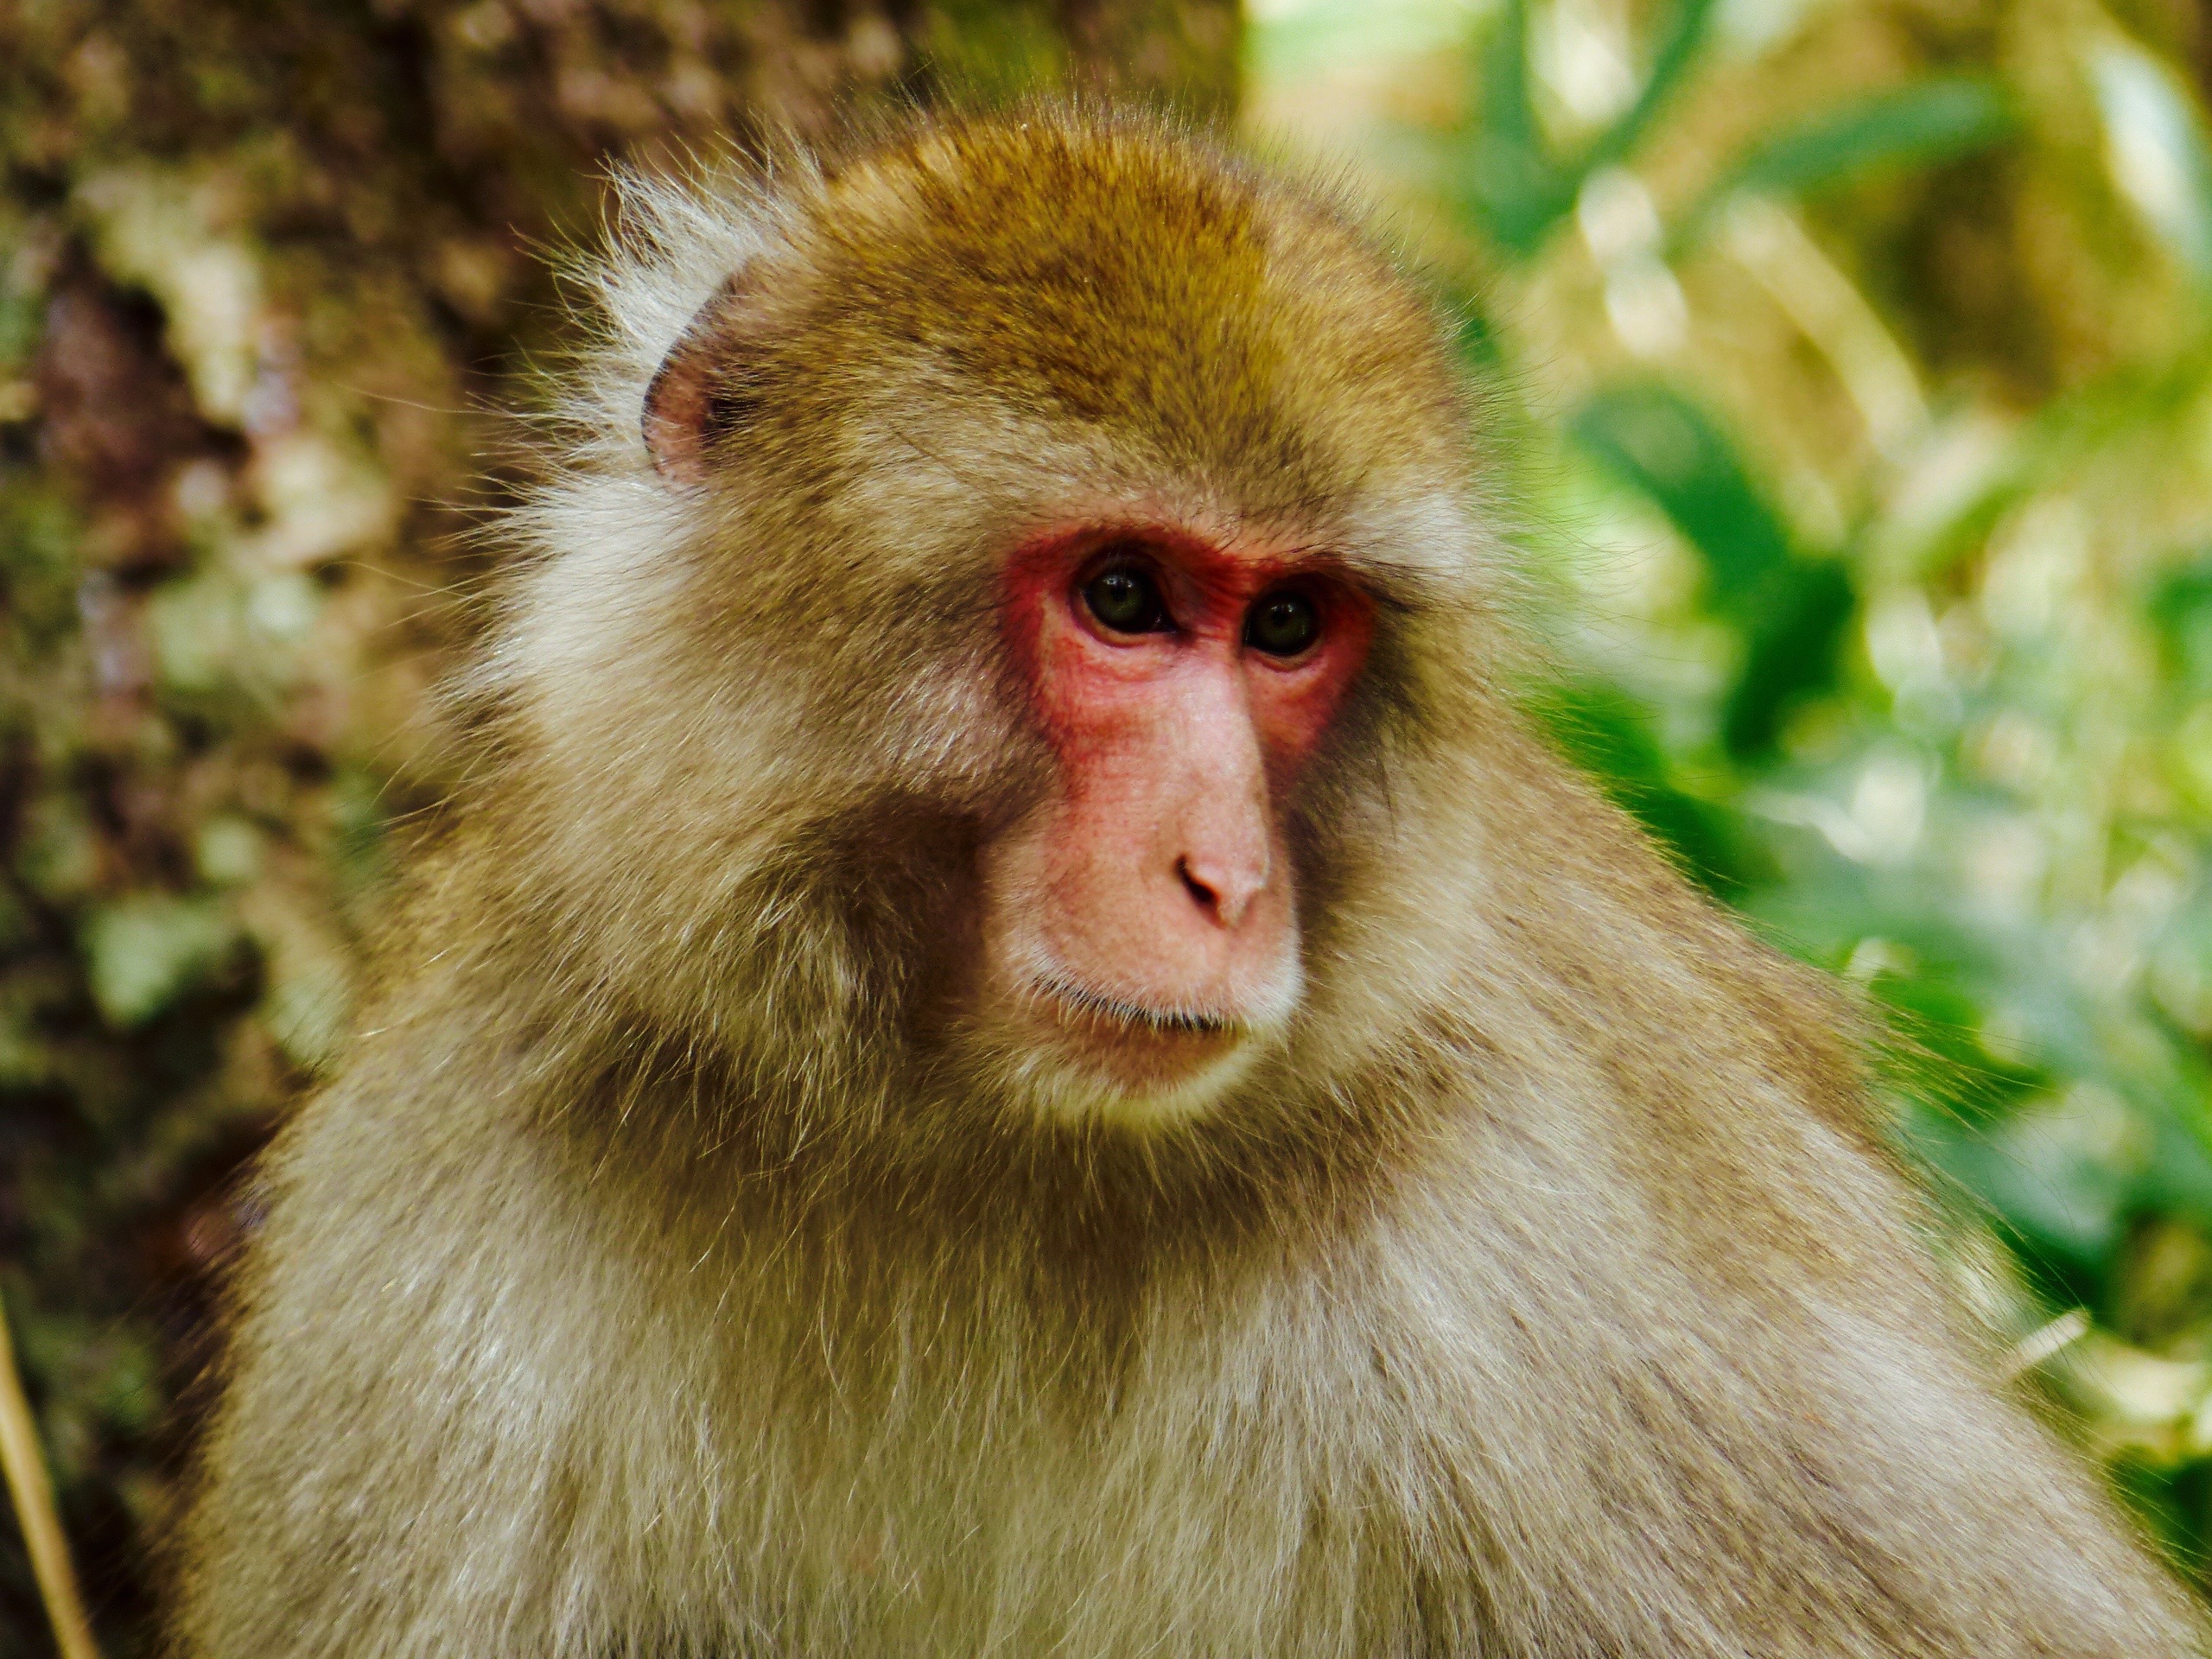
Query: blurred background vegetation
x=1859 y=357
x=1861 y=351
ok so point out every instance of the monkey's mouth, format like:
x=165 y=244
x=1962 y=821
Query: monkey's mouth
x=1138 y=1045
x=1105 y=1008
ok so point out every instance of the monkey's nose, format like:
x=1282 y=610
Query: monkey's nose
x=1224 y=895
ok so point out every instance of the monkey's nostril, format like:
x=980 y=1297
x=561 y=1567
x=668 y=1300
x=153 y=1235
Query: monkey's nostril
x=1204 y=896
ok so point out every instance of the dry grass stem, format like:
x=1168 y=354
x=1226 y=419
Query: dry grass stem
x=41 y=1523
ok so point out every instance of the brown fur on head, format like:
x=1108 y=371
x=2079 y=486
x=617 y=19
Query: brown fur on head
x=758 y=720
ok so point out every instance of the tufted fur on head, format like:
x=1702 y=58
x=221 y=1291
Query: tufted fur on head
x=676 y=1267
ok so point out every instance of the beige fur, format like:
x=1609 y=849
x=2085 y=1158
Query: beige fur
x=678 y=1267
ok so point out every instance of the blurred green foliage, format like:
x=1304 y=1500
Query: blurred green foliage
x=1867 y=352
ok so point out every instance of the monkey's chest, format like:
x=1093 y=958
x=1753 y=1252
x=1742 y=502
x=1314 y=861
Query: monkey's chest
x=1233 y=1498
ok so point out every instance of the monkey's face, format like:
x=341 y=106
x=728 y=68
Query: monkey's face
x=1014 y=645
x=1140 y=930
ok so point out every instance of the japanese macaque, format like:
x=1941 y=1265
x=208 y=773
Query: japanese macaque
x=1014 y=1050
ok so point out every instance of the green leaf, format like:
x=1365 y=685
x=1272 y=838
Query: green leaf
x=1792 y=651
x=144 y=953
x=1671 y=63
x=1508 y=113
x=1511 y=185
x=1657 y=440
x=2180 y=609
x=1514 y=195
x=1793 y=612
x=1932 y=121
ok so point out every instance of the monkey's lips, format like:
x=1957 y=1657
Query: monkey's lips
x=1140 y=1046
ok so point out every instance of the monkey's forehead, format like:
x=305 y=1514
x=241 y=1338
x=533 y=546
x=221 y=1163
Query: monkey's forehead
x=1113 y=270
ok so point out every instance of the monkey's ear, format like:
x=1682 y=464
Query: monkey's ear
x=704 y=388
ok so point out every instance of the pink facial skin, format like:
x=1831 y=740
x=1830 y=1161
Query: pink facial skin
x=1146 y=912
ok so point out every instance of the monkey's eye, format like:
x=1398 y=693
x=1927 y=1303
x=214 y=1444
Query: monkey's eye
x=1282 y=623
x=1125 y=599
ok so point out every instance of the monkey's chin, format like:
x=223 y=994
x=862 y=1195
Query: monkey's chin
x=1089 y=1057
